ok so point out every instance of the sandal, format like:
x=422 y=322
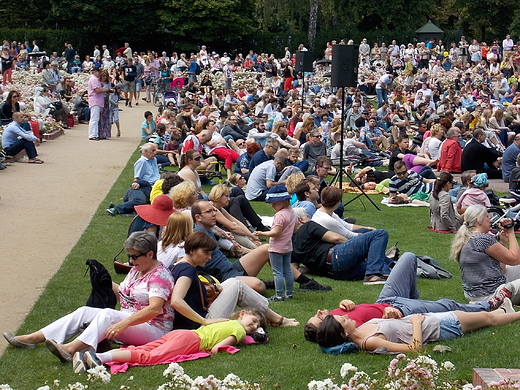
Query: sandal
x=119 y=134
x=35 y=161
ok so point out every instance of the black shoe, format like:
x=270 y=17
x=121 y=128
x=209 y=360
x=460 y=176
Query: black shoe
x=111 y=205
x=269 y=284
x=313 y=285
x=350 y=220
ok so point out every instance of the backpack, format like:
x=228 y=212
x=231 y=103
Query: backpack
x=102 y=295
x=414 y=70
x=428 y=268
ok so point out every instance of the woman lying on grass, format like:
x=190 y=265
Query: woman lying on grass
x=178 y=342
x=410 y=333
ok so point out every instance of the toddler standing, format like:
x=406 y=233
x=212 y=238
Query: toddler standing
x=280 y=244
x=113 y=102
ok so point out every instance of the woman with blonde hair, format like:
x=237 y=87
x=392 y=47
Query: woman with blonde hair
x=488 y=267
x=183 y=196
x=171 y=247
x=293 y=180
x=498 y=125
x=219 y=197
x=280 y=129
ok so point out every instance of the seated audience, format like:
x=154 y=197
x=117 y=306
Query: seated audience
x=442 y=213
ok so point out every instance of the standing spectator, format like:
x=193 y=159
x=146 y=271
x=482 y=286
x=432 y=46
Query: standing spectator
x=228 y=71
x=15 y=139
x=383 y=87
x=96 y=100
x=129 y=74
x=7 y=67
x=127 y=53
x=280 y=244
x=70 y=53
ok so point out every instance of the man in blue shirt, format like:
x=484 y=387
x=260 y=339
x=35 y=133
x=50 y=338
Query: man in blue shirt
x=509 y=158
x=15 y=139
x=146 y=173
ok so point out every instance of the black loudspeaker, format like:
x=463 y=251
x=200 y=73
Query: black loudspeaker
x=304 y=61
x=344 y=65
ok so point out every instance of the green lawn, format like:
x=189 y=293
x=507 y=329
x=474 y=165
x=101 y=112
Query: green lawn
x=288 y=361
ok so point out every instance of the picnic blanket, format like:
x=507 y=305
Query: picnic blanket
x=387 y=203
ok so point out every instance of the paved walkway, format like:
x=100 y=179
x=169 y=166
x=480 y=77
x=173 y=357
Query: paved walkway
x=44 y=209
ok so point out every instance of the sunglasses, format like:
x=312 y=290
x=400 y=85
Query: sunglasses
x=318 y=136
x=135 y=257
x=198 y=158
x=401 y=173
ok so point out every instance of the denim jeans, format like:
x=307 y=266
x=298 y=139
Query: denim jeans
x=281 y=265
x=382 y=96
x=348 y=258
x=20 y=145
x=400 y=291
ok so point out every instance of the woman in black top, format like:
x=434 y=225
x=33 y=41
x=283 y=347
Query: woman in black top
x=10 y=105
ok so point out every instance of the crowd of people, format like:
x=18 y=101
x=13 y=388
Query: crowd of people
x=278 y=140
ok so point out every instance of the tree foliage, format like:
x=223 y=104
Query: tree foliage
x=266 y=25
x=206 y=21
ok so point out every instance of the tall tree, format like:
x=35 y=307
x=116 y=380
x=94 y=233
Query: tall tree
x=206 y=21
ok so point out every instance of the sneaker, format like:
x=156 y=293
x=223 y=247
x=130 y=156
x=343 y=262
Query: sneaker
x=275 y=298
x=507 y=306
x=498 y=299
x=78 y=363
x=92 y=360
x=269 y=284
x=111 y=205
x=313 y=285
x=289 y=296
x=375 y=279
x=112 y=212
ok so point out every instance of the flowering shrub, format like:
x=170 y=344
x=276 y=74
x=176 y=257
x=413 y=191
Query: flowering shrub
x=404 y=373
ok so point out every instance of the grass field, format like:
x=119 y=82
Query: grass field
x=288 y=361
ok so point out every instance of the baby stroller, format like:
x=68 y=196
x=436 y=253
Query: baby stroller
x=169 y=101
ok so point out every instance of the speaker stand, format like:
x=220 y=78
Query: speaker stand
x=341 y=171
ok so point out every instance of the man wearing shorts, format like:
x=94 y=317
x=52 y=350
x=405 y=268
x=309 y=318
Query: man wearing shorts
x=129 y=73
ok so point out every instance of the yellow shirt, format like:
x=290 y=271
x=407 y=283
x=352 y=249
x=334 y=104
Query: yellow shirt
x=156 y=189
x=212 y=334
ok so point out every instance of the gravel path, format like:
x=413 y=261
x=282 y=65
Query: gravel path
x=45 y=208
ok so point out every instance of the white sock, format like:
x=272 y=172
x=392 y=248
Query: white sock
x=104 y=357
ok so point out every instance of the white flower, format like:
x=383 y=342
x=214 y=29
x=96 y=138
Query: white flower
x=346 y=369
x=77 y=386
x=56 y=382
x=233 y=381
x=5 y=387
x=174 y=370
x=131 y=378
x=99 y=372
x=327 y=384
x=40 y=388
x=448 y=366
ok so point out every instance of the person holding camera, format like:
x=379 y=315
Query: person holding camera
x=488 y=267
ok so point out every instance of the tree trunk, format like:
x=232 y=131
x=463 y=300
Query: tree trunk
x=313 y=21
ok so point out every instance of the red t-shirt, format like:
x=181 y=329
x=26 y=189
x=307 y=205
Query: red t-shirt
x=363 y=313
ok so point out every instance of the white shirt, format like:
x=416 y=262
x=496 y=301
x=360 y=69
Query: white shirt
x=334 y=224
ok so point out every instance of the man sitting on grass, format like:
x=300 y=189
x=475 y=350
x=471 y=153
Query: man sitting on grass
x=248 y=266
x=146 y=173
x=400 y=298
